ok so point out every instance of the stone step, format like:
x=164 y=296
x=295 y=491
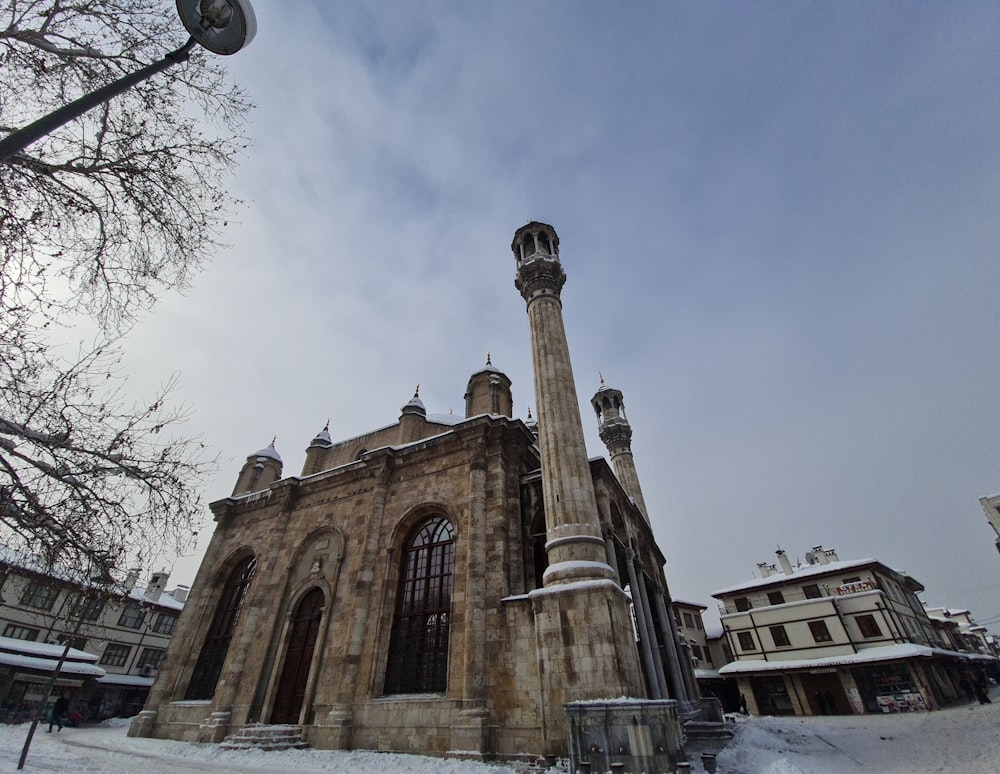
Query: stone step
x=706 y=729
x=261 y=736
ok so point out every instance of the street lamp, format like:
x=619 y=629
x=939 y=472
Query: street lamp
x=221 y=26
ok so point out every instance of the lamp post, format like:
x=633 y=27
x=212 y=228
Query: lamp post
x=221 y=26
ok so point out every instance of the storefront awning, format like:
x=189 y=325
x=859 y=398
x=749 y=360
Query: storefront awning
x=129 y=680
x=868 y=656
x=49 y=664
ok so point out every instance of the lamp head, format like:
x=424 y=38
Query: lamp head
x=221 y=26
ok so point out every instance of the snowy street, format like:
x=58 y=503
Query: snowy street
x=960 y=739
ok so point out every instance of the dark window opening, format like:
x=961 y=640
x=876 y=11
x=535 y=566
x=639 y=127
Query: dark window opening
x=868 y=625
x=743 y=604
x=213 y=652
x=780 y=637
x=418 y=645
x=819 y=631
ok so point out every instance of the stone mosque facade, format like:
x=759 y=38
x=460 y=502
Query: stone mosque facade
x=443 y=585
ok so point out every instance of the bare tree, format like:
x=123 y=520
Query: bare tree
x=100 y=218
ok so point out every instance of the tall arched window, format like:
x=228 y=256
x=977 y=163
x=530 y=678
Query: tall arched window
x=213 y=652
x=418 y=646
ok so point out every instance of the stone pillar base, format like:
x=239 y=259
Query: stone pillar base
x=470 y=735
x=142 y=724
x=216 y=729
x=335 y=729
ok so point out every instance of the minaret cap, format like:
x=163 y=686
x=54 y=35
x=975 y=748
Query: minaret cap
x=535 y=237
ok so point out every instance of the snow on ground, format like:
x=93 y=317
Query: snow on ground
x=959 y=739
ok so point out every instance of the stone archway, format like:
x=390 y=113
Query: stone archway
x=304 y=628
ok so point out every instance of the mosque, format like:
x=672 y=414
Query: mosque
x=443 y=585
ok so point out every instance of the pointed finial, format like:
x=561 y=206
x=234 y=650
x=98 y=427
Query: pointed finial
x=416 y=393
x=488 y=361
x=275 y=438
x=327 y=425
x=602 y=378
x=529 y=412
x=451 y=411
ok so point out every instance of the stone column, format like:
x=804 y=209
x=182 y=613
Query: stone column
x=340 y=718
x=469 y=733
x=645 y=636
x=677 y=670
x=575 y=546
x=648 y=613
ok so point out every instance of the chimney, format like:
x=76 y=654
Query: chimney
x=157 y=583
x=180 y=594
x=831 y=555
x=821 y=555
x=786 y=563
x=765 y=569
x=131 y=579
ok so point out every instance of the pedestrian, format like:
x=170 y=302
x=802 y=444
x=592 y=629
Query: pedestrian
x=743 y=705
x=983 y=691
x=59 y=711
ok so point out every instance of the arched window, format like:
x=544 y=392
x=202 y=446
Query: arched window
x=418 y=646
x=220 y=633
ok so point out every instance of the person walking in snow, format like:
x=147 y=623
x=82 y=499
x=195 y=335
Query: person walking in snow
x=59 y=711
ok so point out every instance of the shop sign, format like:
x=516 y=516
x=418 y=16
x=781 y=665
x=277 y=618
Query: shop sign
x=855 y=588
x=65 y=682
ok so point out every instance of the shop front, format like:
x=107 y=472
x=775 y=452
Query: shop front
x=26 y=669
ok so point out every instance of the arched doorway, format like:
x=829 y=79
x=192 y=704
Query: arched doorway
x=295 y=673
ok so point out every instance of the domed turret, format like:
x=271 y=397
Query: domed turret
x=488 y=392
x=316 y=453
x=260 y=470
x=413 y=419
x=532 y=424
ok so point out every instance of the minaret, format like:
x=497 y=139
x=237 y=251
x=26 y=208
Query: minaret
x=616 y=432
x=574 y=543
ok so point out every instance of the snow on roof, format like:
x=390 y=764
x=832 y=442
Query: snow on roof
x=43 y=649
x=268 y=451
x=166 y=599
x=445 y=419
x=49 y=665
x=41 y=656
x=690 y=604
x=867 y=656
x=323 y=438
x=707 y=674
x=803 y=571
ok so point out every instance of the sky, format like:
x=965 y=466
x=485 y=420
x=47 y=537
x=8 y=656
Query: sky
x=778 y=221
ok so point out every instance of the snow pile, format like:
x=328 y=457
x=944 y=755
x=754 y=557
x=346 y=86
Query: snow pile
x=961 y=739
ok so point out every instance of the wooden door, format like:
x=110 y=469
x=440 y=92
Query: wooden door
x=295 y=673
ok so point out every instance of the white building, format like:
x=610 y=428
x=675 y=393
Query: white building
x=118 y=642
x=839 y=637
x=991 y=507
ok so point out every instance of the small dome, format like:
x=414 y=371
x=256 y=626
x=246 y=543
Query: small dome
x=269 y=451
x=415 y=405
x=323 y=437
x=489 y=368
